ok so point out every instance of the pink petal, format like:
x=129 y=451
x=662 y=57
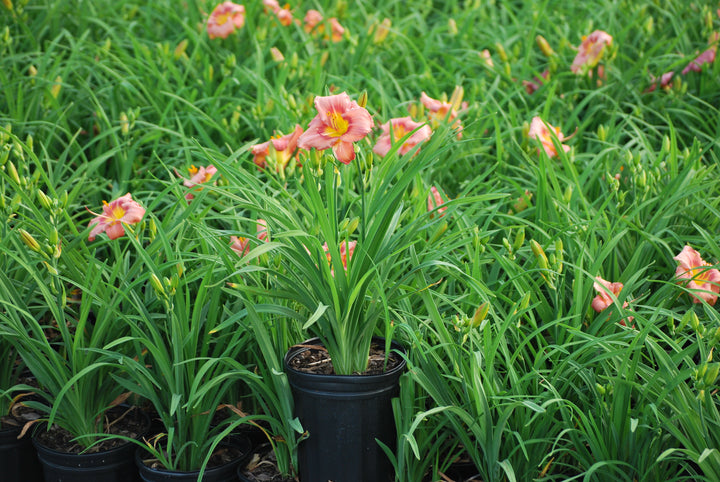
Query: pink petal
x=344 y=151
x=360 y=123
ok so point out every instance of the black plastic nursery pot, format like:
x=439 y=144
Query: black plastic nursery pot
x=222 y=473
x=344 y=416
x=115 y=465
x=18 y=459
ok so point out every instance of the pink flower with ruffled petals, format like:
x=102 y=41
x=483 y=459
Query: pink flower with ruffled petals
x=435 y=201
x=240 y=245
x=224 y=19
x=262 y=230
x=336 y=30
x=603 y=299
x=400 y=127
x=590 y=52
x=283 y=148
x=285 y=16
x=339 y=123
x=698 y=276
x=312 y=20
x=544 y=133
x=346 y=253
x=271 y=5
x=440 y=111
x=198 y=176
x=115 y=215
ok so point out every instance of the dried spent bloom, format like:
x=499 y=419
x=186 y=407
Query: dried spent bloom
x=198 y=176
x=707 y=57
x=122 y=210
x=435 y=200
x=604 y=298
x=381 y=31
x=346 y=253
x=544 y=133
x=590 y=52
x=224 y=19
x=277 y=151
x=339 y=123
x=664 y=83
x=533 y=85
x=698 y=276
x=440 y=111
x=400 y=127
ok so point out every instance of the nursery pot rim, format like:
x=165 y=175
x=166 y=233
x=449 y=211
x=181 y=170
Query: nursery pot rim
x=299 y=348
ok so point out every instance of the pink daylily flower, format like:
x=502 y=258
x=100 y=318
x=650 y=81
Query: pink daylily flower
x=271 y=5
x=336 y=30
x=590 y=52
x=439 y=112
x=400 y=127
x=115 y=215
x=224 y=19
x=603 y=299
x=434 y=201
x=697 y=275
x=285 y=16
x=544 y=133
x=312 y=19
x=346 y=253
x=340 y=122
x=283 y=148
x=198 y=176
x=262 y=230
x=240 y=245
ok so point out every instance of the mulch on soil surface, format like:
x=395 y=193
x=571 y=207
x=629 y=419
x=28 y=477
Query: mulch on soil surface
x=125 y=421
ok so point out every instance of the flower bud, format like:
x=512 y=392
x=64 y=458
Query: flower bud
x=12 y=172
x=180 y=49
x=480 y=314
x=381 y=31
x=55 y=89
x=353 y=225
x=501 y=51
x=519 y=239
x=44 y=200
x=544 y=46
x=124 y=124
x=711 y=374
x=276 y=54
x=51 y=269
x=29 y=241
x=452 y=27
x=362 y=100
x=157 y=285
x=53 y=237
